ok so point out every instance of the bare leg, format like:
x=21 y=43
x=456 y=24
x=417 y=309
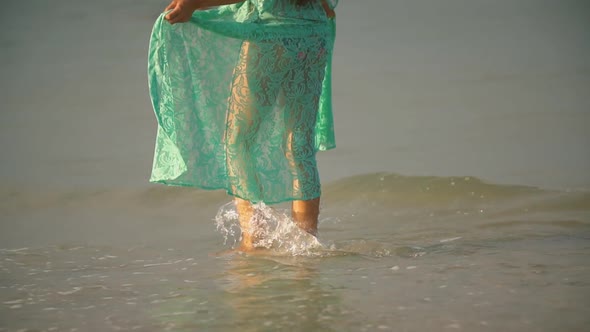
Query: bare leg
x=245 y=212
x=243 y=119
x=248 y=104
x=305 y=214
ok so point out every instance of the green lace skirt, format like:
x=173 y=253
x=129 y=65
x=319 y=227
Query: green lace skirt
x=242 y=99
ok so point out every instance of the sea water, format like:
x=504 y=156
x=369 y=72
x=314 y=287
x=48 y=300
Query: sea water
x=394 y=253
x=457 y=199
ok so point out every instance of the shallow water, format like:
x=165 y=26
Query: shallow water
x=458 y=197
x=396 y=253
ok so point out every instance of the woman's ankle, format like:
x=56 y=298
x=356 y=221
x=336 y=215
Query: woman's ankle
x=305 y=214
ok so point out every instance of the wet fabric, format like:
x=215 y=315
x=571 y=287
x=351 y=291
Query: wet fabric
x=242 y=97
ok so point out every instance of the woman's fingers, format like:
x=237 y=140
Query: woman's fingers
x=173 y=14
x=178 y=16
x=170 y=6
x=180 y=11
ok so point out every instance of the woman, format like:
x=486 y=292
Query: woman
x=241 y=92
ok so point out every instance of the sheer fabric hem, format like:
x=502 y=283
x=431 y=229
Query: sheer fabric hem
x=229 y=193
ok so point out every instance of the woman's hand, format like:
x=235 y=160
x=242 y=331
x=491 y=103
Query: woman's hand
x=181 y=10
x=329 y=11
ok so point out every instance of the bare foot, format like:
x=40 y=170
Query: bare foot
x=248 y=245
x=243 y=250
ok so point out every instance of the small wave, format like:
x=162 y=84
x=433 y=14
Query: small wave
x=376 y=193
x=464 y=192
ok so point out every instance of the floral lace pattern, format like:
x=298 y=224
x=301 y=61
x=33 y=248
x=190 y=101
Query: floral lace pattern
x=242 y=98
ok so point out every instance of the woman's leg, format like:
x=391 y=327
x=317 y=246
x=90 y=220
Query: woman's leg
x=242 y=125
x=250 y=100
x=243 y=120
x=302 y=88
x=245 y=212
x=305 y=214
x=302 y=165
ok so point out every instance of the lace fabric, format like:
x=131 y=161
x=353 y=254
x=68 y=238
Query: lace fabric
x=242 y=98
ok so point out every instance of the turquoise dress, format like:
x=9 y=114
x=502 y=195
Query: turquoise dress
x=242 y=97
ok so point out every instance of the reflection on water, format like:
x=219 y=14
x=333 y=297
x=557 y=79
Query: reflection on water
x=537 y=283
x=267 y=293
x=118 y=289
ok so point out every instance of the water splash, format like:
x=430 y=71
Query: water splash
x=227 y=223
x=273 y=229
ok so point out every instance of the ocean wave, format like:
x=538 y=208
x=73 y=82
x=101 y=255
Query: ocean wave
x=377 y=189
